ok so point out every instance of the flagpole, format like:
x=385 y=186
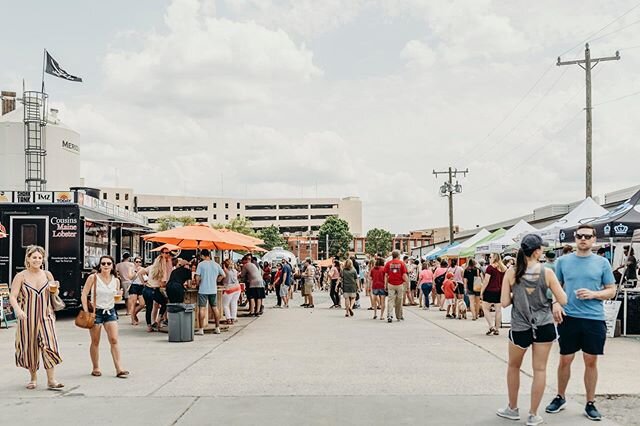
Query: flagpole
x=44 y=60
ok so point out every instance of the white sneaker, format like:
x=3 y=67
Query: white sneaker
x=534 y=420
x=508 y=413
x=199 y=332
x=216 y=330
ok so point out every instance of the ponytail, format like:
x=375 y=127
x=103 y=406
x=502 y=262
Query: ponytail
x=521 y=265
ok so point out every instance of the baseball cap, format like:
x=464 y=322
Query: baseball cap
x=530 y=242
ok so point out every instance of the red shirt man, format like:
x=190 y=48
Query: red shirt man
x=395 y=270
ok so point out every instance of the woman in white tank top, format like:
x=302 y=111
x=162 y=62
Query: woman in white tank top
x=104 y=286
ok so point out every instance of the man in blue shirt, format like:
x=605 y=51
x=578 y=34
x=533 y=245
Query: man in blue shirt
x=588 y=281
x=208 y=274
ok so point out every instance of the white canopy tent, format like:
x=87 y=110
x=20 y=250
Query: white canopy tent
x=585 y=211
x=513 y=233
x=455 y=251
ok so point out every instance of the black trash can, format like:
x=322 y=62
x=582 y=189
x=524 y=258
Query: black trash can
x=180 y=322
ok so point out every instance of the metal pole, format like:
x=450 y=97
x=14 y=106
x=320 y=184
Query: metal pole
x=589 y=165
x=450 y=207
x=326 y=253
x=44 y=60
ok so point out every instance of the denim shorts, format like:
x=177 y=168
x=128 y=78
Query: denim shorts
x=379 y=292
x=105 y=315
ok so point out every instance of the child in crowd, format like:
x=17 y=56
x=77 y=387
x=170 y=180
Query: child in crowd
x=449 y=289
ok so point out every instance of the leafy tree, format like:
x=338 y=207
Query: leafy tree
x=379 y=241
x=272 y=237
x=237 y=224
x=339 y=236
x=170 y=221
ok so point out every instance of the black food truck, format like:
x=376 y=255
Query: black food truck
x=75 y=227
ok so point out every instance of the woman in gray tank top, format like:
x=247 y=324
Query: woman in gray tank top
x=525 y=287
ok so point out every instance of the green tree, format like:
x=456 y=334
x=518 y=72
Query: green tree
x=238 y=224
x=339 y=236
x=170 y=221
x=272 y=237
x=379 y=241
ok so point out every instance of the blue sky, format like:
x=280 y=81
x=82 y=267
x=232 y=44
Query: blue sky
x=353 y=97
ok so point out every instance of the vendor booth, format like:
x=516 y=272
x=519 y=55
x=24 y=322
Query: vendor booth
x=587 y=210
x=510 y=236
x=454 y=252
x=471 y=250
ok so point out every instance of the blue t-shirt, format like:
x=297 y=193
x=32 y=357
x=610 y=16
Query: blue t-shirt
x=286 y=269
x=590 y=272
x=209 y=272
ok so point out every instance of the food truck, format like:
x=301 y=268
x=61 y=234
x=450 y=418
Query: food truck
x=75 y=227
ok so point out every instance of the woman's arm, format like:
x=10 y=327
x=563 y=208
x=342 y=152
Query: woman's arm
x=16 y=286
x=485 y=282
x=88 y=285
x=507 y=282
x=555 y=287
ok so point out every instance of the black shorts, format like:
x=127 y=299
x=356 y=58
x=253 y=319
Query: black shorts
x=136 y=289
x=414 y=285
x=459 y=288
x=582 y=334
x=255 y=293
x=439 y=289
x=491 y=296
x=524 y=339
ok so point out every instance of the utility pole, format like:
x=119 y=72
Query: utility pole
x=587 y=64
x=448 y=189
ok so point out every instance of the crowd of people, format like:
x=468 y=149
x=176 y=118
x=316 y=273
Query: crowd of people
x=550 y=298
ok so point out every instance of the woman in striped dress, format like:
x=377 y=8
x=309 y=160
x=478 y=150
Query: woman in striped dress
x=36 y=334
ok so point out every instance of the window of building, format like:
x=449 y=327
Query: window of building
x=226 y=217
x=238 y=206
x=321 y=216
x=215 y=205
x=126 y=207
x=104 y=195
x=190 y=208
x=117 y=196
x=293 y=206
x=259 y=218
x=260 y=207
x=295 y=217
x=226 y=205
x=126 y=197
x=154 y=209
x=324 y=206
x=152 y=220
x=315 y=228
x=238 y=215
x=215 y=217
x=293 y=229
x=201 y=219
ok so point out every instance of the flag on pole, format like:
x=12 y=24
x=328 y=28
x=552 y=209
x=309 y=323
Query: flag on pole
x=53 y=68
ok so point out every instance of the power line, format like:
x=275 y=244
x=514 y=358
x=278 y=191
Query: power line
x=618 y=98
x=616 y=31
x=606 y=26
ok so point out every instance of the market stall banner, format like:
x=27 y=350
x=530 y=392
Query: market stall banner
x=619 y=223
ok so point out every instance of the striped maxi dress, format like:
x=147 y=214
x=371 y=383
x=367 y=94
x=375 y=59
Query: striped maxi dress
x=36 y=335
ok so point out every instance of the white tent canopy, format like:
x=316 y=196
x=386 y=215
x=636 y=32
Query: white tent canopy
x=455 y=251
x=507 y=239
x=586 y=210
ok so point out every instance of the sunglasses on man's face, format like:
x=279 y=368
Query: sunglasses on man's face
x=106 y=263
x=584 y=236
x=164 y=252
x=138 y=261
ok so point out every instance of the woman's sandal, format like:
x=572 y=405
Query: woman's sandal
x=96 y=373
x=122 y=374
x=490 y=332
x=31 y=385
x=55 y=386
x=496 y=332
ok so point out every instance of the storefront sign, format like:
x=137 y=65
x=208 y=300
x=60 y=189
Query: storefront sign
x=70 y=147
x=23 y=197
x=64 y=227
x=43 y=197
x=63 y=197
x=6 y=196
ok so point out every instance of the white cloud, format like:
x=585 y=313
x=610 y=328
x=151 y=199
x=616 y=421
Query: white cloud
x=239 y=95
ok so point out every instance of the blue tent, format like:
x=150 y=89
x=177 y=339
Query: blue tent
x=433 y=256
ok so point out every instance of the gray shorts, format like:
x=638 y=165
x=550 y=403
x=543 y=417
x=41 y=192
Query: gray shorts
x=204 y=298
x=284 y=290
x=349 y=295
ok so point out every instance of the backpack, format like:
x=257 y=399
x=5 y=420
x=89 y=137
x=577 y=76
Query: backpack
x=440 y=279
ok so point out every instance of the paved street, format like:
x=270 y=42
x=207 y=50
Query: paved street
x=299 y=366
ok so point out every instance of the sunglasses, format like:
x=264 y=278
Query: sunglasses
x=164 y=252
x=584 y=236
x=138 y=261
x=106 y=263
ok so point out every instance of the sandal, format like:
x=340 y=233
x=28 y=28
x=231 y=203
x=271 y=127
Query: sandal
x=55 y=386
x=122 y=374
x=31 y=385
x=96 y=373
x=490 y=332
x=496 y=332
